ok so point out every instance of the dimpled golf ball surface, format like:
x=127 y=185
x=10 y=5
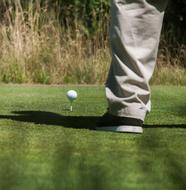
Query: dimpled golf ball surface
x=72 y=95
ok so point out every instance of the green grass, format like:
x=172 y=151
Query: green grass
x=44 y=146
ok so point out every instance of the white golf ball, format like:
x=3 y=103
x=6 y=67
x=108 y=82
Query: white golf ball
x=72 y=95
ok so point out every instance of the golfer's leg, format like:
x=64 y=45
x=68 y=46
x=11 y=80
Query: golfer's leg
x=135 y=33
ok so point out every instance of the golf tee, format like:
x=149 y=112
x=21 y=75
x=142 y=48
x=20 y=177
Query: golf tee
x=71 y=108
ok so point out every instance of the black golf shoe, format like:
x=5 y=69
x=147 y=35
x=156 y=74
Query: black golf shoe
x=113 y=123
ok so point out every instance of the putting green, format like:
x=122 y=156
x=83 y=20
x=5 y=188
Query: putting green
x=44 y=146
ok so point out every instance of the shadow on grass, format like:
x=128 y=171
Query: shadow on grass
x=180 y=110
x=172 y=173
x=67 y=165
x=78 y=122
x=69 y=168
x=70 y=172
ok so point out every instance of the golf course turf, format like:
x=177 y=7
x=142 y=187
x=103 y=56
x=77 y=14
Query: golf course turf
x=45 y=146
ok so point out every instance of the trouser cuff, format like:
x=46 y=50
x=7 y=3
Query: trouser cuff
x=129 y=112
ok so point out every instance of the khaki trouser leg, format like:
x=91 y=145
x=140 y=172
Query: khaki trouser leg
x=134 y=35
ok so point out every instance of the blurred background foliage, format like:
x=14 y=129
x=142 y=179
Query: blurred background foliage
x=93 y=14
x=67 y=41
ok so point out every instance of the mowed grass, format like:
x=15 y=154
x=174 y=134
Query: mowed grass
x=44 y=146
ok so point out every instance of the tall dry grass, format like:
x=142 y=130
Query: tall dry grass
x=171 y=63
x=35 y=47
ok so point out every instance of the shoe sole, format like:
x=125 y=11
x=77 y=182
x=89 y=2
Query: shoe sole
x=122 y=129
